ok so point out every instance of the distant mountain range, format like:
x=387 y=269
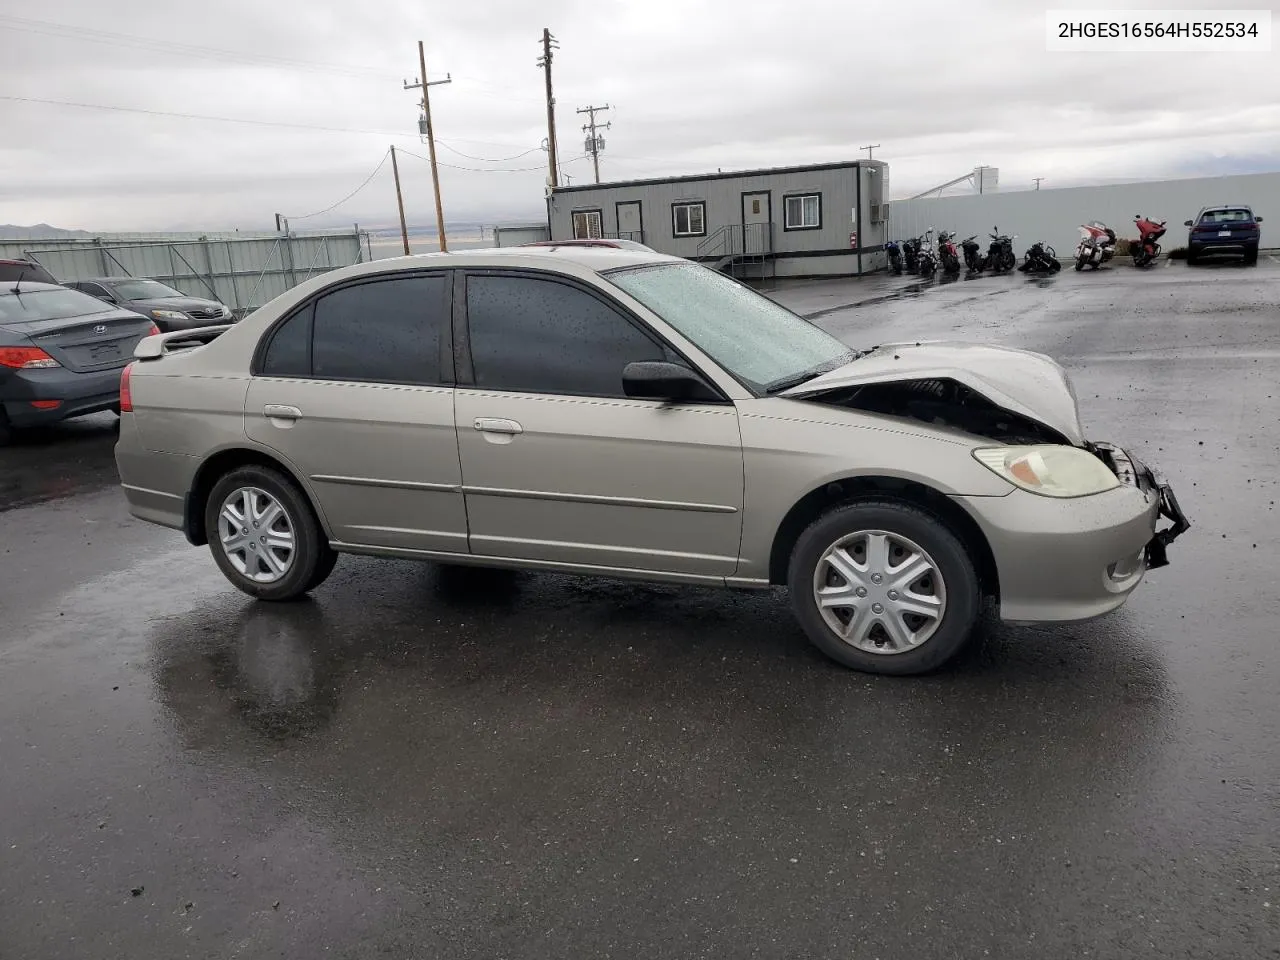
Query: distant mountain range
x=41 y=231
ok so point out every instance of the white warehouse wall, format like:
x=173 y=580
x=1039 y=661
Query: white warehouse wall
x=1054 y=216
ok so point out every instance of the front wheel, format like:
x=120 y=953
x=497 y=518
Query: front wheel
x=884 y=587
x=264 y=536
x=1080 y=262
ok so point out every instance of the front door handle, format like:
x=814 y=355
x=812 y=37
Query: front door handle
x=279 y=411
x=493 y=425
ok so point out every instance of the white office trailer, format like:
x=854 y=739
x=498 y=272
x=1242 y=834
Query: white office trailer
x=822 y=220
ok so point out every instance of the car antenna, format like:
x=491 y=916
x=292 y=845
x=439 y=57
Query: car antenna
x=17 y=284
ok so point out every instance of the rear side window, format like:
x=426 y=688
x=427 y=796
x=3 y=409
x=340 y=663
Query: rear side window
x=540 y=336
x=383 y=331
x=289 y=353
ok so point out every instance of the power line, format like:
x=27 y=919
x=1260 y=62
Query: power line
x=367 y=181
x=409 y=153
x=223 y=55
x=258 y=123
x=69 y=31
x=517 y=156
x=200 y=116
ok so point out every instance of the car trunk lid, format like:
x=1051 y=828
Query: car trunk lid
x=97 y=341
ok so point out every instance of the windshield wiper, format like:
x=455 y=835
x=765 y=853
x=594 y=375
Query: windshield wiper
x=786 y=383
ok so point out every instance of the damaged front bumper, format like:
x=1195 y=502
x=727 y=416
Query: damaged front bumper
x=1151 y=482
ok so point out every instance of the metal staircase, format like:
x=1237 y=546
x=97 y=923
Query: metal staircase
x=742 y=250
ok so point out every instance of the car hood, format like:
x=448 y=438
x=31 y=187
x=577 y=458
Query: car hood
x=182 y=304
x=1026 y=383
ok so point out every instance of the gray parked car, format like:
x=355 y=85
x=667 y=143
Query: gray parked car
x=630 y=414
x=61 y=353
x=169 y=308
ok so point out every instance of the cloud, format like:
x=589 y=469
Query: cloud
x=942 y=86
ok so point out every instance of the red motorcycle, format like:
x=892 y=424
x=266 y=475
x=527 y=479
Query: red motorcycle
x=948 y=254
x=1146 y=249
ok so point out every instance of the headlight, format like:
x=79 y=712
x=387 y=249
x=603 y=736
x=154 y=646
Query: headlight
x=168 y=315
x=1051 y=470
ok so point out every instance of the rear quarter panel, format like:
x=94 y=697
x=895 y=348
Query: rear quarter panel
x=793 y=447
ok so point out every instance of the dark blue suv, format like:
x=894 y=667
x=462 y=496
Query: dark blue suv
x=1230 y=230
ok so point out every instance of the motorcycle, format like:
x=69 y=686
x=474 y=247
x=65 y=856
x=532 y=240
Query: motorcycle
x=911 y=255
x=928 y=263
x=947 y=253
x=1097 y=245
x=974 y=261
x=894 y=253
x=1000 y=255
x=1040 y=258
x=1146 y=249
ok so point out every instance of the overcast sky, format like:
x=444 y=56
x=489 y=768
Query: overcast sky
x=695 y=85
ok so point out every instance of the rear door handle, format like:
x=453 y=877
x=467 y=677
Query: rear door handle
x=279 y=411
x=492 y=425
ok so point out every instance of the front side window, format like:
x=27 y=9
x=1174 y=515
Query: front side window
x=587 y=225
x=530 y=335
x=763 y=345
x=804 y=212
x=689 y=219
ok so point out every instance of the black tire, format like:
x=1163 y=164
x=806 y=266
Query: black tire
x=1079 y=264
x=312 y=559
x=1192 y=257
x=6 y=432
x=959 y=580
x=1251 y=257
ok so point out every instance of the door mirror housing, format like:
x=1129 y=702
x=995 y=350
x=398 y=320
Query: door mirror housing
x=1186 y=223
x=1257 y=219
x=660 y=380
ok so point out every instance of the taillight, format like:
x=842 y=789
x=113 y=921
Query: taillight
x=126 y=394
x=25 y=358
x=154 y=331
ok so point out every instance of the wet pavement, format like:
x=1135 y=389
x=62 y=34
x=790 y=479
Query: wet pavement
x=421 y=762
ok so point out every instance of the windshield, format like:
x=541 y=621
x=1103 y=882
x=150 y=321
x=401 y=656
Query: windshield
x=48 y=305
x=760 y=343
x=143 y=290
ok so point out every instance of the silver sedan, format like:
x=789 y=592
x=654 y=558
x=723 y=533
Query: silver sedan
x=627 y=414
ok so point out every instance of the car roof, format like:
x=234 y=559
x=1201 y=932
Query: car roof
x=1227 y=206
x=596 y=258
x=108 y=279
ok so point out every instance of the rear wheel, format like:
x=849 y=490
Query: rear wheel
x=884 y=587
x=264 y=536
x=6 y=432
x=1251 y=256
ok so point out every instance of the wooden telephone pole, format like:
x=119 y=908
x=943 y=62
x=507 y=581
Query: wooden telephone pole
x=549 y=43
x=593 y=139
x=404 y=227
x=428 y=132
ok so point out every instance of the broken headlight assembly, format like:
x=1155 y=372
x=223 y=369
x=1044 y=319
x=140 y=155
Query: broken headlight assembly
x=1051 y=470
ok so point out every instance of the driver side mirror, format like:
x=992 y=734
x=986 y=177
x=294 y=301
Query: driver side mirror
x=1186 y=223
x=1257 y=219
x=660 y=380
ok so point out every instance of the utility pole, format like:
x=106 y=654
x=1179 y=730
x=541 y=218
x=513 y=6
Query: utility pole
x=594 y=143
x=1037 y=180
x=548 y=44
x=404 y=227
x=424 y=128
x=869 y=148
